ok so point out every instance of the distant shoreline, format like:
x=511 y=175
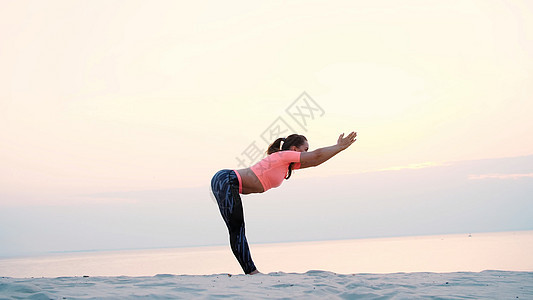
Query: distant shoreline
x=53 y=253
x=472 y=252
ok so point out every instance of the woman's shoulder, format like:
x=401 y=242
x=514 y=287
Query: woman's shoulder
x=286 y=154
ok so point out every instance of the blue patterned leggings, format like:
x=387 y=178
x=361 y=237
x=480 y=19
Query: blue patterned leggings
x=225 y=187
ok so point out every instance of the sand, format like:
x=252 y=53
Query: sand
x=481 y=266
x=312 y=284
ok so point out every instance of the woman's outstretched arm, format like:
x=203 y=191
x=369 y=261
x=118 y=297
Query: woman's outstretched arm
x=320 y=155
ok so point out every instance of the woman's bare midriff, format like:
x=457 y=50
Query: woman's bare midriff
x=250 y=182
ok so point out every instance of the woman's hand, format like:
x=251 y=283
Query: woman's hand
x=345 y=142
x=320 y=155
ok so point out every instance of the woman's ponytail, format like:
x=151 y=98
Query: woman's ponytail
x=275 y=146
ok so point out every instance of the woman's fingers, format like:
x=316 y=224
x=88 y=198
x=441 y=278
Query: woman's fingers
x=340 y=138
x=354 y=135
x=348 y=140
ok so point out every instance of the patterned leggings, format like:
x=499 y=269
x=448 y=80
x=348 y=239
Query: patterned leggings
x=225 y=187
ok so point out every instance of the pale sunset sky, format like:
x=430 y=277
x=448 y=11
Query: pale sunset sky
x=114 y=116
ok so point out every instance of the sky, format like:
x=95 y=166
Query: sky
x=115 y=115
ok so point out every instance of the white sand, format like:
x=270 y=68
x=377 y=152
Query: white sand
x=510 y=253
x=313 y=284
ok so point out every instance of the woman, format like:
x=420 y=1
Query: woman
x=264 y=175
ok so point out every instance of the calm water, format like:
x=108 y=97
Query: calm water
x=508 y=251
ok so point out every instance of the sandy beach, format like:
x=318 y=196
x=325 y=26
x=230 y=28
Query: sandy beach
x=478 y=265
x=309 y=285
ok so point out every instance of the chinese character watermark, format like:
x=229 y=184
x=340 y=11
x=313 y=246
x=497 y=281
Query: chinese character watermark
x=304 y=108
x=278 y=128
x=302 y=111
x=251 y=153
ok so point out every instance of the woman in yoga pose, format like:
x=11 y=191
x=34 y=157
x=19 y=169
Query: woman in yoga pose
x=264 y=175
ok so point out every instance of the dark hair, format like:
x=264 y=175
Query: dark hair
x=292 y=140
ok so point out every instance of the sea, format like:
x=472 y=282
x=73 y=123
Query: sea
x=453 y=266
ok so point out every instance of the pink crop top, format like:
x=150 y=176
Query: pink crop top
x=272 y=169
